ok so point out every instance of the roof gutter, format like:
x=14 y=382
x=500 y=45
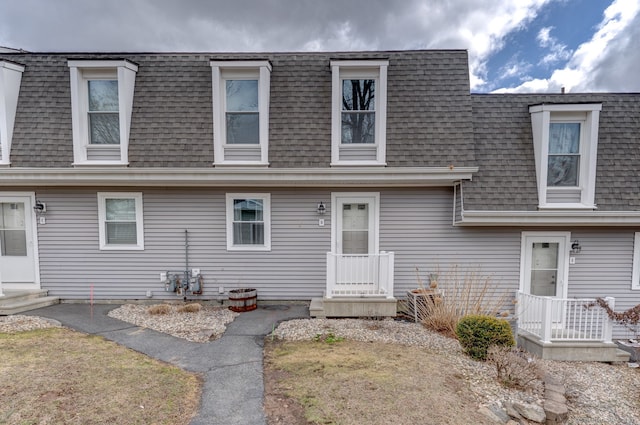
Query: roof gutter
x=237 y=177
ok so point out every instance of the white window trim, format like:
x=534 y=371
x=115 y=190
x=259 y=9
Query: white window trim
x=266 y=215
x=10 y=78
x=589 y=115
x=359 y=69
x=340 y=198
x=635 y=276
x=137 y=196
x=221 y=71
x=80 y=72
x=566 y=240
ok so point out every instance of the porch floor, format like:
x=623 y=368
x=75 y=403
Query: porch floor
x=353 y=307
x=586 y=351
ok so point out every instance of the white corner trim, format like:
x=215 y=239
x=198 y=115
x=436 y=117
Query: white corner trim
x=635 y=276
x=10 y=78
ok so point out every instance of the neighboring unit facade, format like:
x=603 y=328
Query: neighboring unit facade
x=300 y=173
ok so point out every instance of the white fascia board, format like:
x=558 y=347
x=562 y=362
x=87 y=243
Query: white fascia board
x=237 y=177
x=550 y=218
x=231 y=64
x=362 y=63
x=12 y=66
x=566 y=107
x=97 y=63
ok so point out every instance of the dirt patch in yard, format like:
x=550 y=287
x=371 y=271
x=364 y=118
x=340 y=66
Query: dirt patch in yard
x=56 y=376
x=350 y=382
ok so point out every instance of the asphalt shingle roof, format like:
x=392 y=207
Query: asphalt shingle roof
x=428 y=109
x=432 y=120
x=504 y=151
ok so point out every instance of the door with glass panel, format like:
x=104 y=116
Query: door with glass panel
x=545 y=265
x=17 y=251
x=356 y=238
x=545 y=269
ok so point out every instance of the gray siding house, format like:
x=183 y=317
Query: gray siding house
x=310 y=175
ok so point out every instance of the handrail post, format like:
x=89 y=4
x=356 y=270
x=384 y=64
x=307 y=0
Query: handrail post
x=607 y=331
x=390 y=270
x=547 y=319
x=331 y=274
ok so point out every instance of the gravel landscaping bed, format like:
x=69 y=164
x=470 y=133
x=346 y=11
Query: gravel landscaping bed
x=22 y=323
x=201 y=326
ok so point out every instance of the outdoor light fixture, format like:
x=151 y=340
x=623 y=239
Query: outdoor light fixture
x=321 y=208
x=40 y=207
x=575 y=247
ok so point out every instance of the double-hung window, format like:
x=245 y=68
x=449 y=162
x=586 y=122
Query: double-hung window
x=248 y=222
x=359 y=104
x=120 y=220
x=103 y=112
x=241 y=112
x=101 y=108
x=358 y=111
x=565 y=138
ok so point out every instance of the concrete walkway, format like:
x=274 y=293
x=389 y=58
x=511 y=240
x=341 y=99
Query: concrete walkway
x=230 y=366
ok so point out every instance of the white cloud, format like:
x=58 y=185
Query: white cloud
x=609 y=61
x=287 y=25
x=479 y=26
x=557 y=51
x=544 y=36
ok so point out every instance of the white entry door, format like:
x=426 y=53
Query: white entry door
x=355 y=223
x=545 y=264
x=17 y=241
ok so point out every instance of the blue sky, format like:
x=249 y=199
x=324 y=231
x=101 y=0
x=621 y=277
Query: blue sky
x=547 y=42
x=513 y=45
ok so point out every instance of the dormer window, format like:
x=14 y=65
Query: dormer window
x=359 y=121
x=104 y=120
x=358 y=111
x=564 y=154
x=10 y=78
x=101 y=107
x=241 y=112
x=565 y=140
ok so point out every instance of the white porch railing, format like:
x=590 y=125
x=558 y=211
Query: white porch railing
x=361 y=275
x=556 y=319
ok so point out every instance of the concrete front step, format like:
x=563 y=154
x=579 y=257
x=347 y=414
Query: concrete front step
x=13 y=295
x=353 y=307
x=14 y=302
x=586 y=351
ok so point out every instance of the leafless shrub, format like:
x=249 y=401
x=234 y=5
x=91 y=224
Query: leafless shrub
x=516 y=368
x=189 y=308
x=159 y=309
x=450 y=296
